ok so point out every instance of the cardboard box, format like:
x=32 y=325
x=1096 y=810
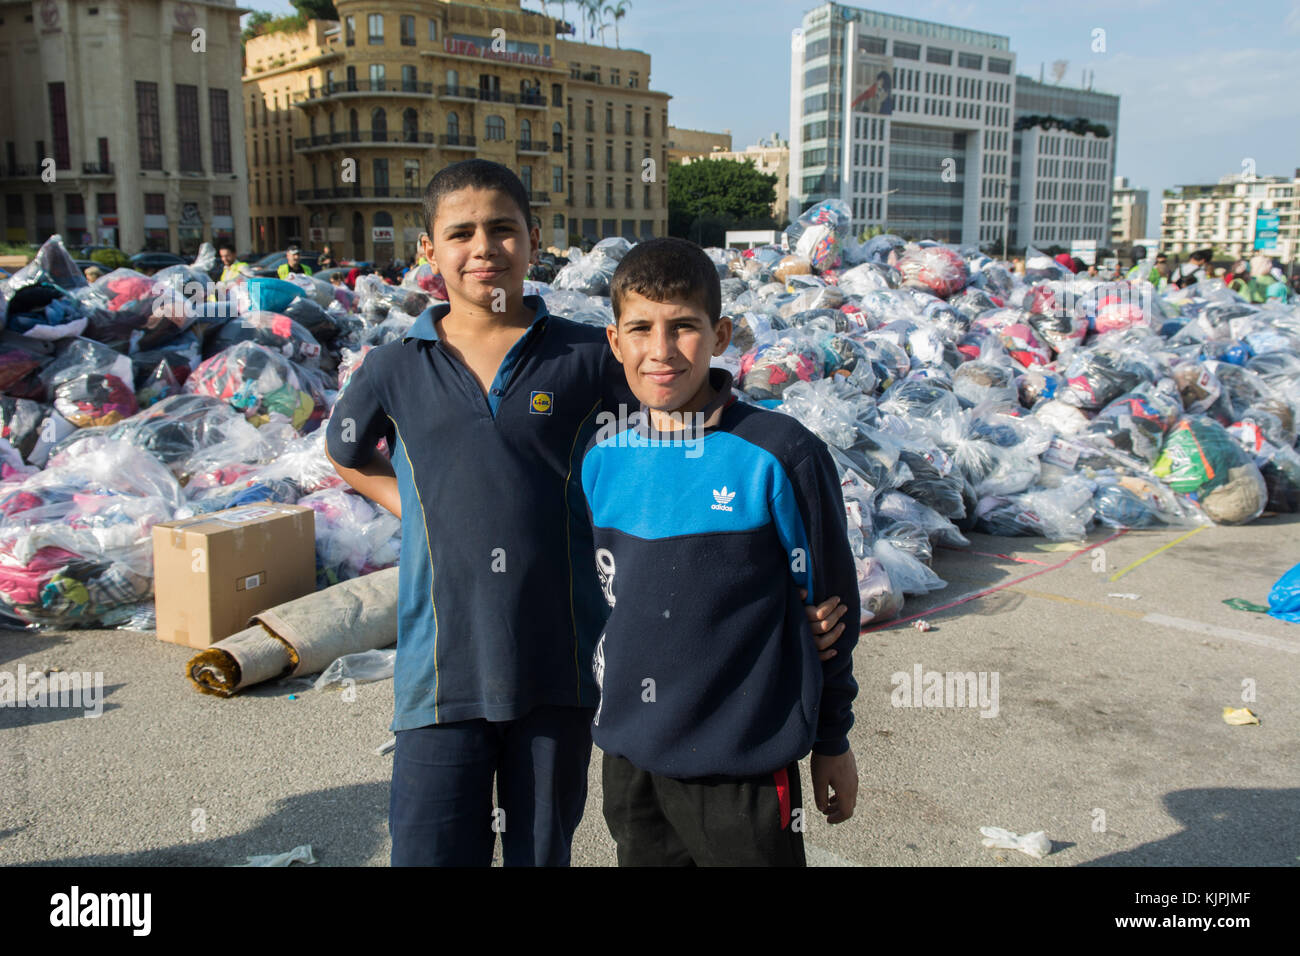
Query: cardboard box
x=213 y=572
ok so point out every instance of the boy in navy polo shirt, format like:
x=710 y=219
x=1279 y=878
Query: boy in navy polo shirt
x=711 y=518
x=486 y=405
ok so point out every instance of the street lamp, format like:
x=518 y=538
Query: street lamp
x=1007 y=227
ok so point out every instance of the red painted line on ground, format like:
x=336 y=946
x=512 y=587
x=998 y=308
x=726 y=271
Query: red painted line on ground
x=992 y=590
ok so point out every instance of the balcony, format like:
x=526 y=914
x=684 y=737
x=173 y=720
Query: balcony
x=533 y=147
x=364 y=137
x=363 y=88
x=97 y=169
x=447 y=141
x=532 y=100
x=538 y=198
x=22 y=172
x=360 y=193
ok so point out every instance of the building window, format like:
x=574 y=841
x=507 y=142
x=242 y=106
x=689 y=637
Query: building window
x=380 y=172
x=627 y=159
x=633 y=80
x=557 y=179
x=591 y=123
x=591 y=193
x=148 y=129
x=496 y=127
x=525 y=132
x=219 y=116
x=155 y=204
x=376 y=76
x=870 y=44
x=408 y=79
x=433 y=31
x=406 y=26
x=350 y=31
x=609 y=227
x=106 y=204
x=645 y=197
x=970 y=61
x=627 y=195
x=609 y=195
x=646 y=117
x=187 y=127
x=907 y=51
x=934 y=54
x=557 y=94
x=59 y=124
x=557 y=140
x=609 y=118
x=609 y=157
x=375 y=25
x=526 y=178
x=591 y=163
x=999 y=66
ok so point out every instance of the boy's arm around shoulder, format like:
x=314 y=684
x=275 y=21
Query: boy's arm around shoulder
x=357 y=423
x=817 y=485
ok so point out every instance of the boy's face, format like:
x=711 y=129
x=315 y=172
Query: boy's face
x=665 y=349
x=480 y=242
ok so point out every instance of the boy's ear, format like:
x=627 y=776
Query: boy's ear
x=426 y=250
x=723 y=331
x=534 y=244
x=611 y=335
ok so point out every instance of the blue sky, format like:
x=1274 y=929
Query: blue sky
x=1203 y=85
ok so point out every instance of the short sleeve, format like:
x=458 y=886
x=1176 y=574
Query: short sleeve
x=359 y=419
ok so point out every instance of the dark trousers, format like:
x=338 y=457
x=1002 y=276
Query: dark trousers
x=711 y=821
x=440 y=810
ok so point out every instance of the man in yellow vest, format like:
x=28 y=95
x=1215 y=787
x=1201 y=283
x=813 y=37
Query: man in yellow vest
x=293 y=264
x=233 y=269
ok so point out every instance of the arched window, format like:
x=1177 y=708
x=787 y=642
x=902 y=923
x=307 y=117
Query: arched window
x=557 y=137
x=453 y=127
x=383 y=218
x=525 y=131
x=496 y=127
x=410 y=125
x=354 y=126
x=378 y=125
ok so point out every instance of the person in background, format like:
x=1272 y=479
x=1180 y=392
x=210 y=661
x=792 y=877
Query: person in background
x=232 y=269
x=326 y=260
x=1092 y=270
x=1194 y=269
x=1295 y=286
x=1238 y=277
x=1018 y=266
x=293 y=264
x=93 y=273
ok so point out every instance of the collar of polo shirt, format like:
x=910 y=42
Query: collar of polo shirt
x=426 y=325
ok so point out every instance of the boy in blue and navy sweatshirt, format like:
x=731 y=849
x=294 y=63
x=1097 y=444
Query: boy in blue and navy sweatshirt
x=710 y=518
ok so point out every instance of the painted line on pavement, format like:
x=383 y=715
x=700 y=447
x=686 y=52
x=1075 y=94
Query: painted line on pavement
x=1119 y=574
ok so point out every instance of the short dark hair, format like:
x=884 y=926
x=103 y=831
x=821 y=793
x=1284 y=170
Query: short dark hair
x=1203 y=255
x=293 y=247
x=473 y=174
x=665 y=269
x=225 y=245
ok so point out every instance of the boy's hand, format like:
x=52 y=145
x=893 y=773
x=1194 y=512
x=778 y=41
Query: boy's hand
x=824 y=620
x=840 y=776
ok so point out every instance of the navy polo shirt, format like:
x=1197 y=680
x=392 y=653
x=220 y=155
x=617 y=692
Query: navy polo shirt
x=499 y=607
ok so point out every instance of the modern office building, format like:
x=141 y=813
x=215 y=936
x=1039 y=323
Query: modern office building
x=1063 y=164
x=1128 y=213
x=616 y=146
x=1224 y=216
x=122 y=124
x=767 y=156
x=908 y=121
x=695 y=142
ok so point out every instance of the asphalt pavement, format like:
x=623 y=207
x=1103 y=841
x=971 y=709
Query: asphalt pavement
x=1105 y=671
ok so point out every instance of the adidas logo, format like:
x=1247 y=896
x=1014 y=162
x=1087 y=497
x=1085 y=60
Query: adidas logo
x=723 y=499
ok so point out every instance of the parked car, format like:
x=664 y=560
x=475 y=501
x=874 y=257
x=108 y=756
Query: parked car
x=269 y=265
x=151 y=262
x=87 y=251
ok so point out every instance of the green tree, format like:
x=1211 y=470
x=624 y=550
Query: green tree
x=316 y=9
x=256 y=20
x=708 y=197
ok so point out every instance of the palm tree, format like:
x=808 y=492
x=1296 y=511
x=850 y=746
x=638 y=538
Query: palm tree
x=618 y=12
x=592 y=10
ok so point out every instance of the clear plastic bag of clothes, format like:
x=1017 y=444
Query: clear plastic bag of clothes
x=830 y=408
x=818 y=233
x=900 y=508
x=907 y=574
x=263 y=384
x=90 y=384
x=228 y=448
x=75 y=545
x=768 y=370
x=1135 y=501
x=592 y=273
x=20 y=366
x=170 y=430
x=1062 y=513
x=1198 y=387
x=45 y=312
x=318 y=290
x=935 y=268
x=1096 y=376
x=319 y=322
x=117 y=304
x=52 y=265
x=271 y=329
x=20 y=423
x=1135 y=423
x=924 y=401
x=424 y=279
x=353 y=536
x=377 y=300
x=972 y=303
x=985 y=381
x=998 y=453
x=1201 y=458
x=863 y=279
x=1242 y=388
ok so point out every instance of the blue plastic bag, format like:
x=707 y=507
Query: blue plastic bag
x=1284 y=599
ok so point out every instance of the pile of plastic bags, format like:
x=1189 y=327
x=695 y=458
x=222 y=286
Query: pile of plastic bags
x=954 y=396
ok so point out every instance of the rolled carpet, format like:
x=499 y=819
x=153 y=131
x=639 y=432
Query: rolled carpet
x=302 y=636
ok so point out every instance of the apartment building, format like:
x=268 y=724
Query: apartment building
x=1226 y=216
x=616 y=145
x=122 y=124
x=695 y=142
x=908 y=121
x=1128 y=213
x=767 y=156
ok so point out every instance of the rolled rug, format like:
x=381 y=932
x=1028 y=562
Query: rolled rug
x=302 y=636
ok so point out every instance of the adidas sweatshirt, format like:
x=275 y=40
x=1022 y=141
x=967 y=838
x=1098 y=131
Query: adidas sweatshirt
x=703 y=539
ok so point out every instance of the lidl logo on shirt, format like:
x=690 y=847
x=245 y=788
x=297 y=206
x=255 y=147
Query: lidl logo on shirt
x=723 y=499
x=541 y=403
